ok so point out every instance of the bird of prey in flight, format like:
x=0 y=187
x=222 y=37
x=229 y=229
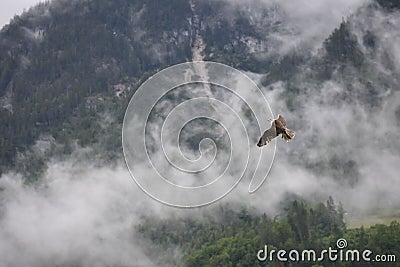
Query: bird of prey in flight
x=278 y=127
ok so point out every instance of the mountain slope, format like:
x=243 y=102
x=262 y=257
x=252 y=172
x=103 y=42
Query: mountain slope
x=68 y=70
x=61 y=62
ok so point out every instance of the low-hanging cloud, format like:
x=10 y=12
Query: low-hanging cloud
x=310 y=22
x=80 y=214
x=295 y=25
x=347 y=139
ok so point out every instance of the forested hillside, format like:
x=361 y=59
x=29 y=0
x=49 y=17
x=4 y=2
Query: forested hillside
x=235 y=237
x=63 y=66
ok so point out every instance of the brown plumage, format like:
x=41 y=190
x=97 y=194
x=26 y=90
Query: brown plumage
x=278 y=127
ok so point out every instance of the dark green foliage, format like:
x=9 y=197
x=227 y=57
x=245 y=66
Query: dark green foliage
x=61 y=81
x=165 y=16
x=224 y=31
x=369 y=40
x=285 y=68
x=389 y=4
x=237 y=235
x=341 y=53
x=381 y=239
x=342 y=47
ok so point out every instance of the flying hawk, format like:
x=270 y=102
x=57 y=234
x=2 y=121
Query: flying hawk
x=278 y=126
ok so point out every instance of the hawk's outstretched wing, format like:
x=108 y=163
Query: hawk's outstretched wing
x=268 y=135
x=281 y=120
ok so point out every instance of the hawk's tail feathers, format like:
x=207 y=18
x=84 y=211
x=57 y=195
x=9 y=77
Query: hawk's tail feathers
x=288 y=135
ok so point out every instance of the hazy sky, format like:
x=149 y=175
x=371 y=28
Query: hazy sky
x=9 y=8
